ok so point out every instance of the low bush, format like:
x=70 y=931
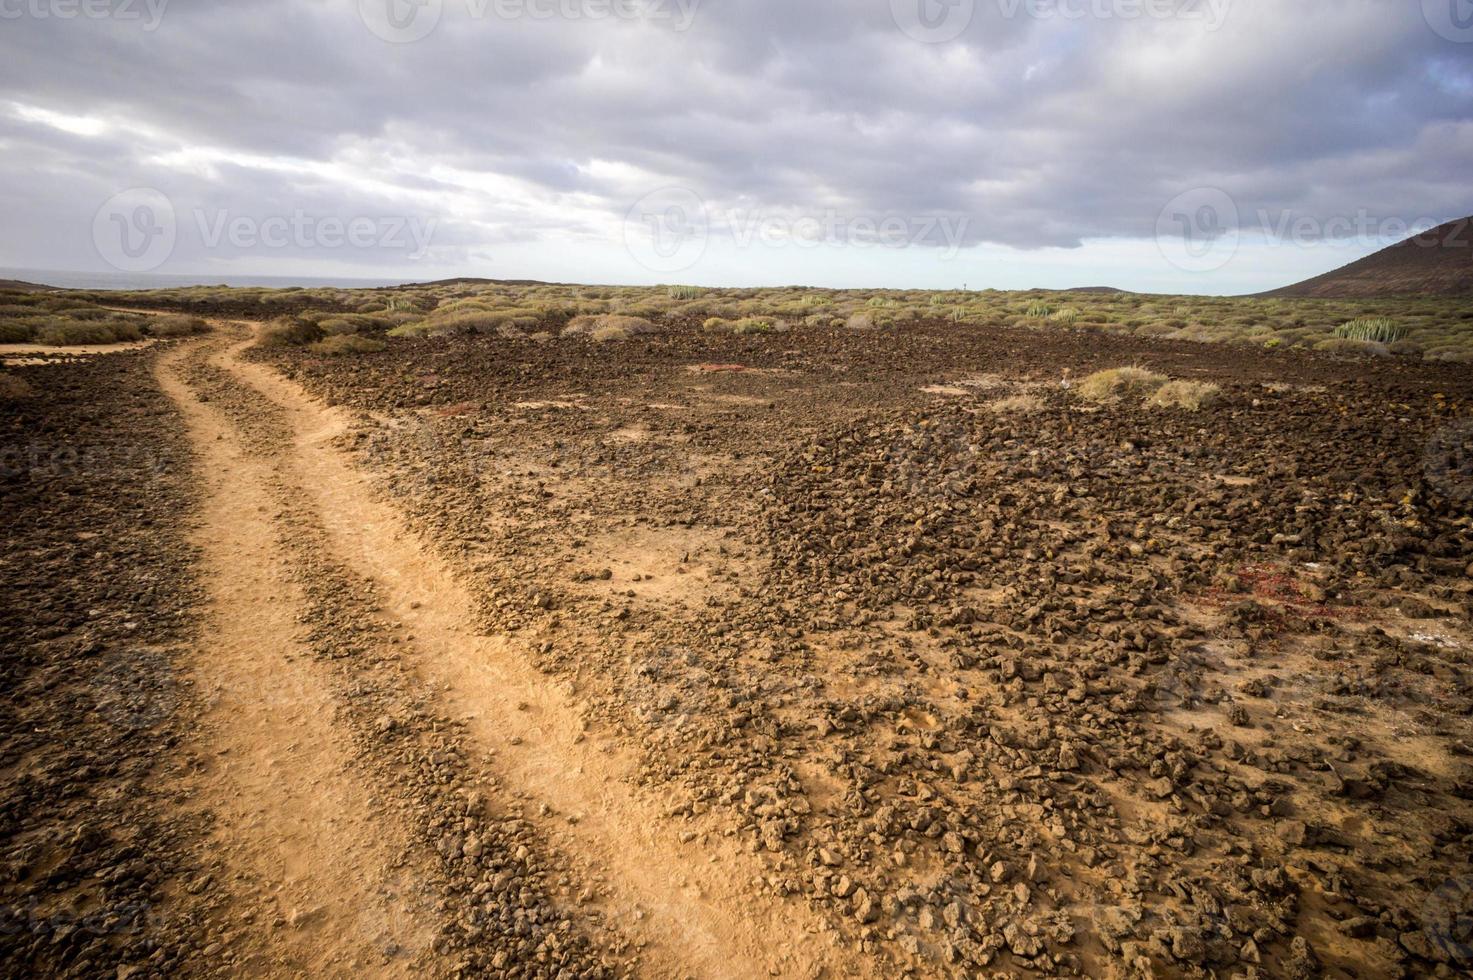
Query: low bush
x=15 y=333
x=348 y=343
x=64 y=333
x=289 y=332
x=176 y=326
x=1104 y=386
x=609 y=324
x=1346 y=345
x=1190 y=395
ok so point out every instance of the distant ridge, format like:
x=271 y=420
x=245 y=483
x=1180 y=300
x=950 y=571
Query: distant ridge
x=1438 y=262
x=30 y=287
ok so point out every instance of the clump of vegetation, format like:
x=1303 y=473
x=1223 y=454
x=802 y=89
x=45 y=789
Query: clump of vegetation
x=686 y=292
x=348 y=343
x=1190 y=395
x=289 y=332
x=1037 y=310
x=71 y=333
x=1065 y=317
x=609 y=326
x=1123 y=382
x=177 y=326
x=1347 y=345
x=1378 y=329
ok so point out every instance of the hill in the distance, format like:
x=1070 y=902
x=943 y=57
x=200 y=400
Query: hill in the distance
x=1438 y=262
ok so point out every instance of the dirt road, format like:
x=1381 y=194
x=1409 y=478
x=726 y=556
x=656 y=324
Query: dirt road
x=295 y=816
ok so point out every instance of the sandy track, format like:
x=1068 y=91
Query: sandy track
x=687 y=904
x=315 y=884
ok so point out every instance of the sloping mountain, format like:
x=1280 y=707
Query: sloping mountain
x=1438 y=262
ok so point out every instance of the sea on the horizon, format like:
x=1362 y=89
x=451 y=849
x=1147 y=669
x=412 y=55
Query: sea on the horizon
x=149 y=280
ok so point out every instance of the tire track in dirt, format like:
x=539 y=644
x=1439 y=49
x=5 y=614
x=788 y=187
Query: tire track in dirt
x=686 y=903
x=316 y=872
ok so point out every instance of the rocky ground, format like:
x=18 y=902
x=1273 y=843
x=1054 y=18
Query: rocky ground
x=1036 y=686
x=96 y=588
x=822 y=653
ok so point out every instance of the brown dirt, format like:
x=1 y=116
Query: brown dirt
x=498 y=657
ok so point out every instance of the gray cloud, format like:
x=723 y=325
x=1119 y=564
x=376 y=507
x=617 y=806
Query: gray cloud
x=1038 y=131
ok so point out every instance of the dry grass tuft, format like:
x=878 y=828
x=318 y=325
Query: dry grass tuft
x=1190 y=395
x=1124 y=382
x=609 y=326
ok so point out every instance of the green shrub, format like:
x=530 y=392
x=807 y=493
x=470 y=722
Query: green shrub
x=686 y=292
x=15 y=333
x=1380 y=329
x=69 y=334
x=176 y=326
x=1037 y=310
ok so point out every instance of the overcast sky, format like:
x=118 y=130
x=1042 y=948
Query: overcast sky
x=1165 y=145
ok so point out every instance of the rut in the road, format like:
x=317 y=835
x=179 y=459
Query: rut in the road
x=688 y=905
x=310 y=861
x=484 y=893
